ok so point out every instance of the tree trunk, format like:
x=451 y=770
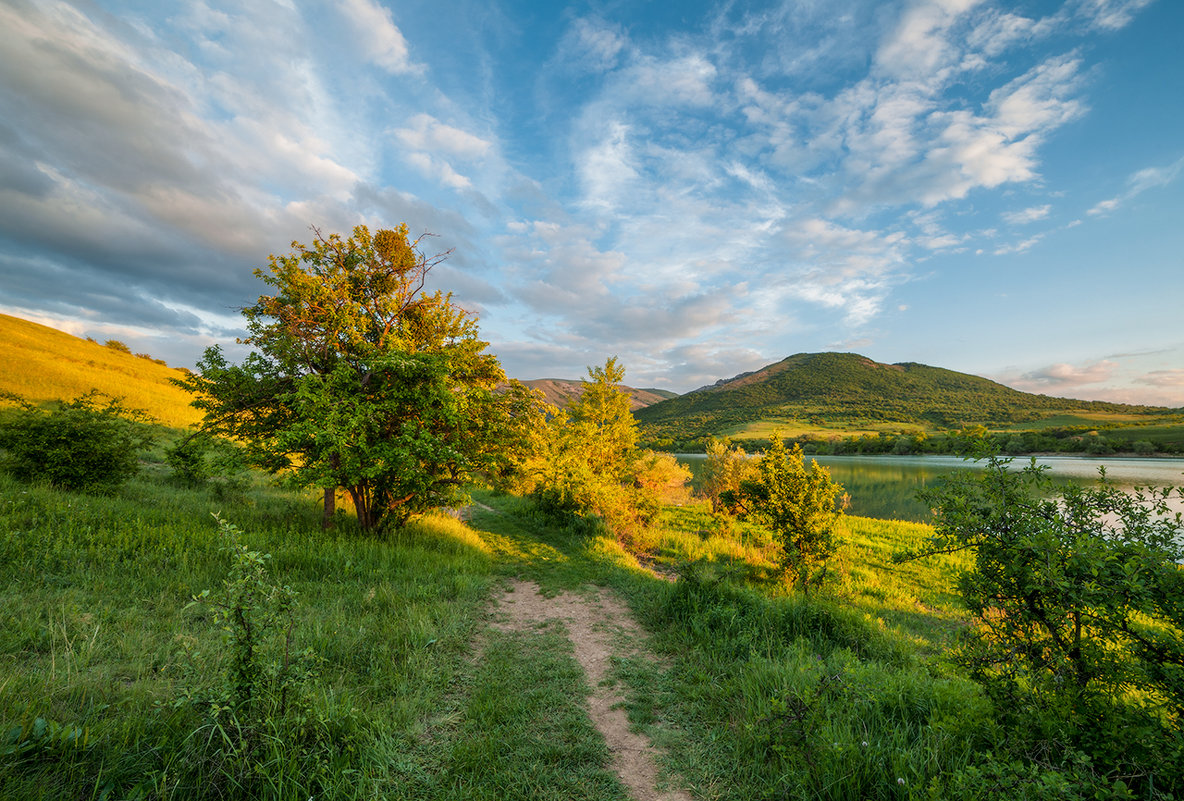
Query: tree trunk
x=330 y=507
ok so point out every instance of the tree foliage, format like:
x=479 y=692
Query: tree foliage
x=1079 y=598
x=799 y=504
x=589 y=462
x=362 y=380
x=726 y=467
x=89 y=444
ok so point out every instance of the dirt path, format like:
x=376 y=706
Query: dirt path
x=592 y=625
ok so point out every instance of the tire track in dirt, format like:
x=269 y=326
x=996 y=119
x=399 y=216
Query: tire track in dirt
x=591 y=624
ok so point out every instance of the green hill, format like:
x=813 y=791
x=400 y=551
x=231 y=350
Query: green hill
x=41 y=364
x=849 y=392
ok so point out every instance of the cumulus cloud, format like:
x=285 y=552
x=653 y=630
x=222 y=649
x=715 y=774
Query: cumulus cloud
x=1064 y=377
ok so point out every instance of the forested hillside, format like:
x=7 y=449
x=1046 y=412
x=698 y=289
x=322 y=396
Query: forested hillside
x=830 y=388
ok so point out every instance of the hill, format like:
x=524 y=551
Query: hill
x=41 y=364
x=834 y=391
x=562 y=391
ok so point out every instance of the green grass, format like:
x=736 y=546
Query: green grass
x=753 y=692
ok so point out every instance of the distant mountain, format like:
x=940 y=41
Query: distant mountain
x=830 y=388
x=562 y=391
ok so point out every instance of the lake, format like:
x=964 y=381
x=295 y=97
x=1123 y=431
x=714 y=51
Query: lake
x=886 y=486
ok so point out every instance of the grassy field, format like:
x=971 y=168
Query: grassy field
x=43 y=364
x=104 y=660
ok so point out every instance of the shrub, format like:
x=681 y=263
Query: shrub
x=82 y=445
x=115 y=344
x=1080 y=604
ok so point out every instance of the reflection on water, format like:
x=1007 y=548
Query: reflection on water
x=886 y=486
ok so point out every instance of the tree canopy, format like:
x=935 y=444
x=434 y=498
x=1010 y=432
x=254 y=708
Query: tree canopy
x=360 y=379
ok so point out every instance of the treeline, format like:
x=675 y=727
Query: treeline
x=1061 y=439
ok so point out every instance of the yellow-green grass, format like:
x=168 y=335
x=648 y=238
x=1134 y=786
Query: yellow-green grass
x=789 y=427
x=1079 y=418
x=43 y=364
x=917 y=599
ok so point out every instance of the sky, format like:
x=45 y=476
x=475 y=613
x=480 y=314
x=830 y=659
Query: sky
x=698 y=188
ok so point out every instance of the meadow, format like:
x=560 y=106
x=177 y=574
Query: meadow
x=107 y=665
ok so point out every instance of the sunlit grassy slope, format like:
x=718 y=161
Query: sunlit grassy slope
x=42 y=364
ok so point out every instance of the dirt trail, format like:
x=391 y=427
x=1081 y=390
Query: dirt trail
x=592 y=624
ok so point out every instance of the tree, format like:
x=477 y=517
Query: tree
x=799 y=504
x=727 y=467
x=361 y=379
x=590 y=462
x=590 y=447
x=1079 y=599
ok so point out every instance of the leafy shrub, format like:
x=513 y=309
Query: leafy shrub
x=1080 y=606
x=201 y=460
x=81 y=445
x=115 y=344
x=800 y=506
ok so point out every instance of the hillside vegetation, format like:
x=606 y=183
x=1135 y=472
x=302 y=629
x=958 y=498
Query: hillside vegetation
x=42 y=364
x=844 y=392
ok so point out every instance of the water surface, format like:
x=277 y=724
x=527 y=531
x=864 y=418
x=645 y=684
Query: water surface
x=886 y=486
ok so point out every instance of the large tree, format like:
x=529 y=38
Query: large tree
x=362 y=380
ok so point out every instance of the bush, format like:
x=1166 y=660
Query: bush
x=1080 y=606
x=81 y=445
x=201 y=460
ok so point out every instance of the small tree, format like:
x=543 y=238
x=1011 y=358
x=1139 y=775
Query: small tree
x=590 y=463
x=800 y=505
x=727 y=467
x=89 y=444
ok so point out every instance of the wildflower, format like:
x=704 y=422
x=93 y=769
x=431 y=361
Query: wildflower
x=899 y=780
x=864 y=743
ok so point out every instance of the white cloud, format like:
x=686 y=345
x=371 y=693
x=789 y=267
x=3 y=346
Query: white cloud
x=919 y=48
x=1018 y=247
x=1170 y=379
x=1064 y=377
x=606 y=168
x=1111 y=15
x=426 y=133
x=593 y=45
x=1028 y=215
x=381 y=41
x=1138 y=183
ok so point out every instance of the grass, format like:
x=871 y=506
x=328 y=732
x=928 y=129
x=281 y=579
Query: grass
x=753 y=692
x=42 y=364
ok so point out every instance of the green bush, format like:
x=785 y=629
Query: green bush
x=80 y=445
x=1079 y=600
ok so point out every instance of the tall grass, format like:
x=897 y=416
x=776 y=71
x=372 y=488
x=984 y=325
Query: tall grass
x=97 y=636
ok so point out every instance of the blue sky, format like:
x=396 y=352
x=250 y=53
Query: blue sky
x=698 y=188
